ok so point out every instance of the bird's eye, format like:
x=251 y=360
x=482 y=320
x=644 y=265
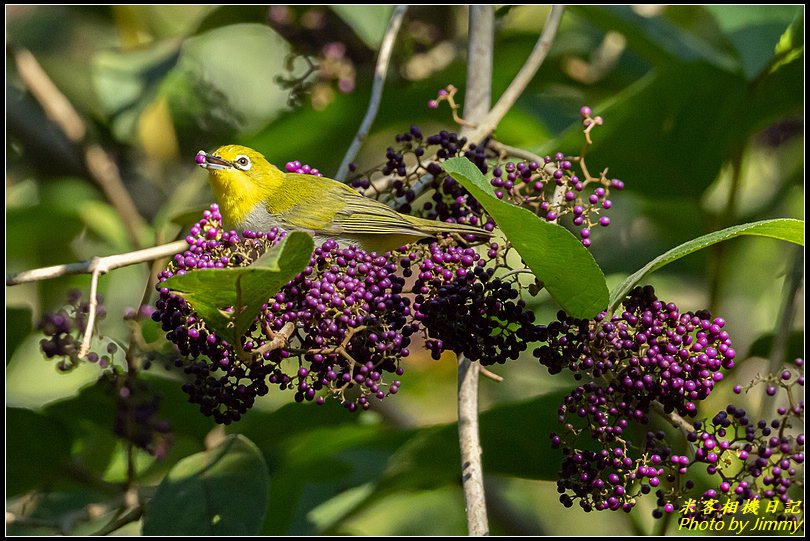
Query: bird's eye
x=242 y=162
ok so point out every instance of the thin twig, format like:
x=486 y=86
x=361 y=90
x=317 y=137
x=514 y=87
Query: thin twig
x=491 y=375
x=487 y=126
x=522 y=79
x=104 y=264
x=91 y=311
x=132 y=515
x=380 y=72
x=674 y=419
x=101 y=167
x=96 y=267
x=505 y=150
x=279 y=340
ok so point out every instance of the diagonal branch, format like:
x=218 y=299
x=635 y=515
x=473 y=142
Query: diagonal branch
x=380 y=71
x=487 y=125
x=522 y=79
x=101 y=167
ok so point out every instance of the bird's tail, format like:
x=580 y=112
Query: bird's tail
x=434 y=227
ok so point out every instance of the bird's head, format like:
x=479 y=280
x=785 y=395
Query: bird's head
x=240 y=177
x=232 y=165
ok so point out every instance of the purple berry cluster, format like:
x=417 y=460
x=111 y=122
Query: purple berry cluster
x=352 y=318
x=304 y=169
x=649 y=355
x=344 y=319
x=330 y=65
x=464 y=308
x=137 y=405
x=604 y=479
x=64 y=331
x=342 y=326
x=760 y=460
x=648 y=352
x=137 y=420
x=649 y=358
x=220 y=382
x=552 y=190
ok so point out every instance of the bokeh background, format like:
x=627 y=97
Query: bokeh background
x=704 y=123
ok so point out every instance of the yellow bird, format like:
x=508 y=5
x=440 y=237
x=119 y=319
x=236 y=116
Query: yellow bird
x=254 y=194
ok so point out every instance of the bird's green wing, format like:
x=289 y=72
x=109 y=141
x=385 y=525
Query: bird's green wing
x=331 y=208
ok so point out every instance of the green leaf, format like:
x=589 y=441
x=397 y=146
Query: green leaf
x=555 y=256
x=18 y=325
x=656 y=38
x=224 y=83
x=368 y=22
x=763 y=346
x=514 y=441
x=778 y=94
x=37 y=446
x=222 y=491
x=221 y=16
x=211 y=291
x=104 y=221
x=33 y=381
x=753 y=31
x=786 y=229
x=667 y=112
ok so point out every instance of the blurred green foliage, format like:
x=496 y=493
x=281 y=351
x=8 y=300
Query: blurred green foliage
x=703 y=110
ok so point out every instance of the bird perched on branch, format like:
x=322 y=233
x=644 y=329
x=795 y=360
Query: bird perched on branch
x=254 y=194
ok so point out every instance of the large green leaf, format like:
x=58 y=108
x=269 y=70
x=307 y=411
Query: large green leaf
x=779 y=93
x=33 y=381
x=222 y=491
x=667 y=135
x=297 y=441
x=555 y=256
x=786 y=229
x=18 y=325
x=656 y=38
x=229 y=300
x=514 y=441
x=224 y=83
x=37 y=446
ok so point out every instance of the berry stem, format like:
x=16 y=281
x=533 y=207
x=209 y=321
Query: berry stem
x=279 y=340
x=674 y=419
x=491 y=375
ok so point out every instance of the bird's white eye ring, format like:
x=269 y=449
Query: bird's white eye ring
x=242 y=162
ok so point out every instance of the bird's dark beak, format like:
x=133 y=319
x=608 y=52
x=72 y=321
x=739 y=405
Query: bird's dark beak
x=209 y=161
